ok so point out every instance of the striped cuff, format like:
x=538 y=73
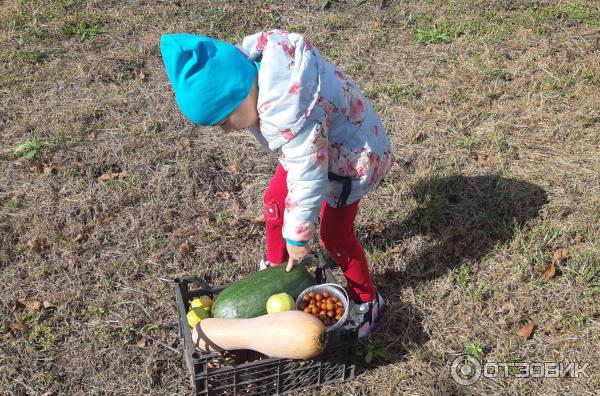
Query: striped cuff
x=296 y=243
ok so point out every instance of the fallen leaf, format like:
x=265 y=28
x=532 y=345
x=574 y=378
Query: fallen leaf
x=223 y=194
x=480 y=158
x=396 y=250
x=378 y=227
x=184 y=249
x=233 y=168
x=29 y=304
x=577 y=238
x=560 y=255
x=112 y=176
x=376 y=24
x=264 y=10
x=107 y=220
x=49 y=169
x=48 y=305
x=428 y=109
x=183 y=145
x=141 y=342
x=526 y=331
x=418 y=137
x=549 y=271
x=79 y=238
x=258 y=220
x=528 y=122
x=141 y=76
x=35 y=244
x=17 y=326
x=36 y=167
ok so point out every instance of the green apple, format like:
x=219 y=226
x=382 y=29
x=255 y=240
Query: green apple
x=202 y=302
x=195 y=315
x=280 y=302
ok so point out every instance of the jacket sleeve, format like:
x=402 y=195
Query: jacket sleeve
x=305 y=158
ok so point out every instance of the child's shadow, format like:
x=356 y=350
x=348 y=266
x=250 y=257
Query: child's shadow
x=460 y=219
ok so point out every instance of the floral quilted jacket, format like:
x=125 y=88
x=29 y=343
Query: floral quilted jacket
x=318 y=123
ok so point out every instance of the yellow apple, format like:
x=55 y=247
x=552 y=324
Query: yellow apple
x=195 y=315
x=280 y=302
x=202 y=302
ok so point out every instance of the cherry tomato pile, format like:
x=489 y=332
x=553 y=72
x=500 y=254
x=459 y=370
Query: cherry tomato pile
x=324 y=306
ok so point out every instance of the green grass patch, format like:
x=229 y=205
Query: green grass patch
x=442 y=33
x=546 y=20
x=30 y=148
x=371 y=351
x=398 y=92
x=584 y=267
x=30 y=57
x=474 y=349
x=496 y=27
x=33 y=146
x=42 y=335
x=497 y=75
x=461 y=277
x=84 y=29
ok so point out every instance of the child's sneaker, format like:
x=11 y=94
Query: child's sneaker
x=264 y=264
x=373 y=311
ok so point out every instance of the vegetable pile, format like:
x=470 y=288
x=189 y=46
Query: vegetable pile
x=263 y=304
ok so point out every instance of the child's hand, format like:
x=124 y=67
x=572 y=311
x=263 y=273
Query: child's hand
x=296 y=253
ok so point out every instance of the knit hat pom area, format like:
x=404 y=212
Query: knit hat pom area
x=210 y=78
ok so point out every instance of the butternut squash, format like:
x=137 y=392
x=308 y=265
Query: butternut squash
x=286 y=335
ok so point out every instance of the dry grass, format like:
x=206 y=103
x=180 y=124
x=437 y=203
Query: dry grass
x=491 y=106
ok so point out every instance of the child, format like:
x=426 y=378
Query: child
x=331 y=145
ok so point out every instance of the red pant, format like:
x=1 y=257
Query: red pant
x=337 y=236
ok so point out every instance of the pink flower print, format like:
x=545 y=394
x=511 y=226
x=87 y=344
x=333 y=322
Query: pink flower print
x=281 y=31
x=362 y=172
x=291 y=51
x=295 y=88
x=376 y=130
x=357 y=110
x=334 y=153
x=372 y=158
x=327 y=120
x=374 y=176
x=303 y=232
x=322 y=156
x=264 y=106
x=287 y=134
x=307 y=45
x=339 y=75
x=290 y=204
x=350 y=169
x=262 y=42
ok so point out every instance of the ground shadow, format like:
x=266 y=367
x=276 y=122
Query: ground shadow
x=463 y=218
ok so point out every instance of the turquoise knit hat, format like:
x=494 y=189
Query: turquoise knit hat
x=210 y=78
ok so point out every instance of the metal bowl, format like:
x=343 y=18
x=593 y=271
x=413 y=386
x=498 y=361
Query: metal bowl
x=335 y=291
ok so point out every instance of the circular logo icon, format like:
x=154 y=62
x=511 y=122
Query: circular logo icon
x=465 y=370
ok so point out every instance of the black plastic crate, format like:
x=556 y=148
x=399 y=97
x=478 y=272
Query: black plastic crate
x=251 y=373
